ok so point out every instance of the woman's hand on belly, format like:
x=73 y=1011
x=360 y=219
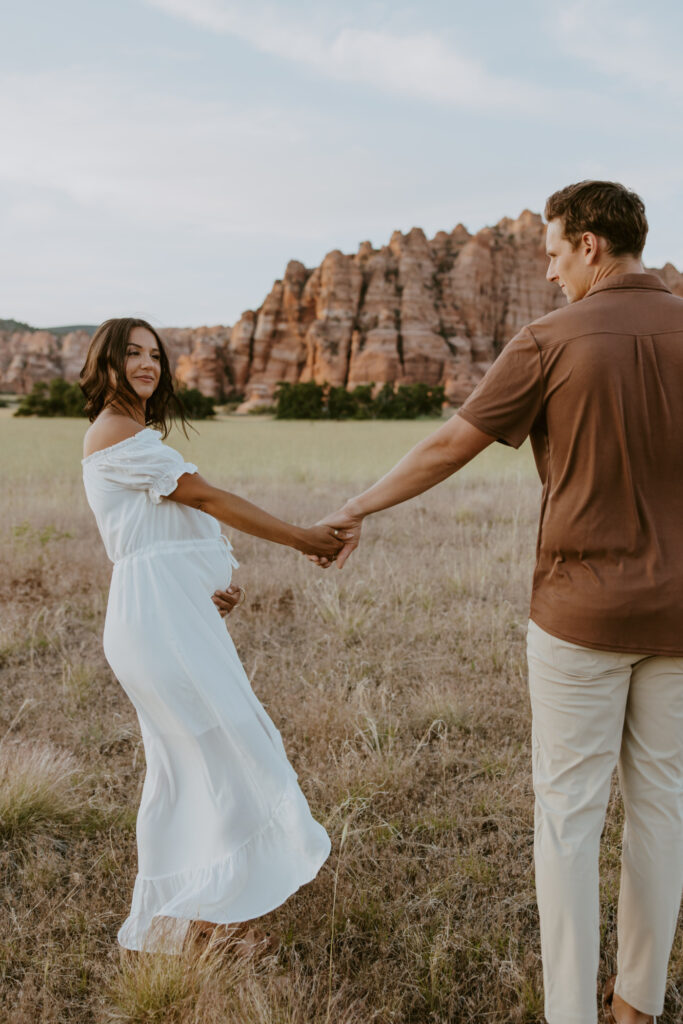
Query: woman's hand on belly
x=227 y=600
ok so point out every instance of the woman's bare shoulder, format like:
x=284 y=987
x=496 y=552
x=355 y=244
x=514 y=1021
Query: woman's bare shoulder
x=109 y=429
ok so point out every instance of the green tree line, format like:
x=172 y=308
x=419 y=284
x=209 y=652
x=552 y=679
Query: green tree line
x=59 y=398
x=293 y=401
x=311 y=401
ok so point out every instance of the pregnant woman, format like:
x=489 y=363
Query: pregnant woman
x=224 y=833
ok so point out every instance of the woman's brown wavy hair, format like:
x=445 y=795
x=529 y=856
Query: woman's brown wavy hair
x=107 y=353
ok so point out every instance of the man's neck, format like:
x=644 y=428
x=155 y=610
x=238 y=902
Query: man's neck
x=617 y=267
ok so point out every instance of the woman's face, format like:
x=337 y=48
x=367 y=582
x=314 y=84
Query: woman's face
x=143 y=363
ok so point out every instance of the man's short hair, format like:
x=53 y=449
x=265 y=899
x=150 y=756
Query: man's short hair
x=605 y=208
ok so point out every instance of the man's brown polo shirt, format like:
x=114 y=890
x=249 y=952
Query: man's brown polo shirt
x=598 y=386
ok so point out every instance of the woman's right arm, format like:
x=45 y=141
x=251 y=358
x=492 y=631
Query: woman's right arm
x=195 y=491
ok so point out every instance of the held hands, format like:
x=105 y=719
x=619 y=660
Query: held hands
x=348 y=523
x=323 y=541
x=332 y=538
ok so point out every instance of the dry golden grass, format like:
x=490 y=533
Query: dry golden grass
x=38 y=787
x=400 y=688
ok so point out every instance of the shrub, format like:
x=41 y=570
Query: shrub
x=409 y=401
x=341 y=404
x=196 y=405
x=301 y=401
x=314 y=401
x=231 y=402
x=386 y=406
x=262 y=410
x=58 y=398
x=364 y=401
x=350 y=405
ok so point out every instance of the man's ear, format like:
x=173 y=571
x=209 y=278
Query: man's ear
x=591 y=246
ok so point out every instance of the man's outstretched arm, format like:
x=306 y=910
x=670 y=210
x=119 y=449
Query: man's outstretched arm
x=440 y=455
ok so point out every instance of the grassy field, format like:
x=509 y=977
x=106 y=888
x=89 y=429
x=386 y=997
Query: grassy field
x=399 y=686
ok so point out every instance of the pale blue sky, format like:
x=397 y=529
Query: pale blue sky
x=167 y=157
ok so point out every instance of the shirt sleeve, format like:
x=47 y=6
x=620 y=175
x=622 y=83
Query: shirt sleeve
x=509 y=398
x=146 y=464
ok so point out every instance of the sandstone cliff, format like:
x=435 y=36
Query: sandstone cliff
x=436 y=310
x=30 y=356
x=196 y=354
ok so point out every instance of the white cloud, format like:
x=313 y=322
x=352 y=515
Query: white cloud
x=630 y=47
x=84 y=147
x=419 y=65
x=191 y=193
x=154 y=158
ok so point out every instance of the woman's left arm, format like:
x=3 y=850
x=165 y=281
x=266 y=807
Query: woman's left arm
x=195 y=491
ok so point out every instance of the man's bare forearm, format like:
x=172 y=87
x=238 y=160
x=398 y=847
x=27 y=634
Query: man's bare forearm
x=427 y=464
x=423 y=467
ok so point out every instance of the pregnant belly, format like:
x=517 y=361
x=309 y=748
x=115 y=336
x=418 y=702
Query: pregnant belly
x=161 y=579
x=207 y=566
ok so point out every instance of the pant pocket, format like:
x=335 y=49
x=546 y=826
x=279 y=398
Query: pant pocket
x=579 y=662
x=538 y=645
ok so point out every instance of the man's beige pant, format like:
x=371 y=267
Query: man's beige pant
x=593 y=710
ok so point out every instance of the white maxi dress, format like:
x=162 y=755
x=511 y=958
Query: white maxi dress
x=224 y=832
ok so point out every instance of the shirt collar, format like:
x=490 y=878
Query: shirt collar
x=645 y=281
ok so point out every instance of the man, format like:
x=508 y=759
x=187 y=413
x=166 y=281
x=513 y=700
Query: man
x=598 y=387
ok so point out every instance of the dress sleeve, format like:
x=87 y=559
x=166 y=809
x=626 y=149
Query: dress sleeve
x=145 y=464
x=509 y=398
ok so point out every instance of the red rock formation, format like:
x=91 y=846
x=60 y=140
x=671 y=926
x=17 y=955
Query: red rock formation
x=672 y=278
x=30 y=356
x=198 y=358
x=334 y=293
x=375 y=348
x=437 y=311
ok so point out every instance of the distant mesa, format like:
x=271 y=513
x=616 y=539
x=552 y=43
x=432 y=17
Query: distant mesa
x=435 y=310
x=14 y=325
x=17 y=325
